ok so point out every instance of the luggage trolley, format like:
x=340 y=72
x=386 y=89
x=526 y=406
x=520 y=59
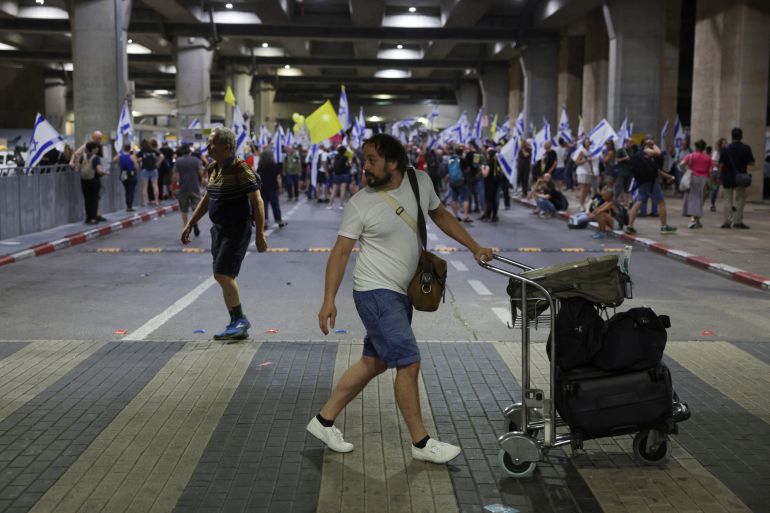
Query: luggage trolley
x=532 y=422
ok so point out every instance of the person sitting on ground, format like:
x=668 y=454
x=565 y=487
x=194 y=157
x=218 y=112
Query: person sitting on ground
x=544 y=192
x=603 y=211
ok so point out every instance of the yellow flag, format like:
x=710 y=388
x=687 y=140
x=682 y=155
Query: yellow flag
x=229 y=97
x=323 y=123
x=493 y=129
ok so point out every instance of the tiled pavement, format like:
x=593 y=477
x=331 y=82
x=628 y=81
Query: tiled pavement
x=162 y=427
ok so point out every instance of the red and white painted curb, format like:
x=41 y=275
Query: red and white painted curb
x=81 y=237
x=728 y=271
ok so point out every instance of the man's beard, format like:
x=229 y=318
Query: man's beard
x=374 y=183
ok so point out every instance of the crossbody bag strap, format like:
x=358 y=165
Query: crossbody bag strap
x=420 y=217
x=399 y=210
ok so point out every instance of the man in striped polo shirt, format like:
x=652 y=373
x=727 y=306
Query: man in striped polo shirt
x=234 y=205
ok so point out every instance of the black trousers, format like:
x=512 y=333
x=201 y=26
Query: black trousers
x=505 y=185
x=270 y=197
x=130 y=186
x=91 y=196
x=490 y=195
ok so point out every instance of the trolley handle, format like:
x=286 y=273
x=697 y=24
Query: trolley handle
x=486 y=265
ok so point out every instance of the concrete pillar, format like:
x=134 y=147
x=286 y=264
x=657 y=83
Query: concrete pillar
x=264 y=108
x=570 y=86
x=515 y=88
x=468 y=99
x=56 y=102
x=594 y=97
x=730 y=75
x=495 y=86
x=240 y=82
x=193 y=85
x=669 y=73
x=98 y=60
x=541 y=76
x=635 y=63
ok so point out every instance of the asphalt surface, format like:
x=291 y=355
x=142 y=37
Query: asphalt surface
x=80 y=293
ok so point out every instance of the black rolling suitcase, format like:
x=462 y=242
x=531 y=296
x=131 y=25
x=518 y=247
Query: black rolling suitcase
x=597 y=403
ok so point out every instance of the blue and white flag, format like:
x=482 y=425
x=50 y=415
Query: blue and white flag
x=623 y=133
x=465 y=128
x=289 y=139
x=125 y=130
x=195 y=125
x=663 y=135
x=507 y=158
x=503 y=131
x=44 y=138
x=241 y=130
x=433 y=115
x=564 y=130
x=313 y=156
x=357 y=134
x=538 y=150
x=278 y=142
x=264 y=136
x=401 y=129
x=518 y=134
x=600 y=134
x=581 y=130
x=476 y=133
x=679 y=135
x=343 y=113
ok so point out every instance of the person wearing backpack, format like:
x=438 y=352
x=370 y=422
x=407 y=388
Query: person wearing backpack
x=149 y=159
x=90 y=169
x=647 y=174
x=128 y=164
x=458 y=188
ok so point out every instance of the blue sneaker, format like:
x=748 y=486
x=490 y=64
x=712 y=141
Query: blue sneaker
x=236 y=330
x=600 y=235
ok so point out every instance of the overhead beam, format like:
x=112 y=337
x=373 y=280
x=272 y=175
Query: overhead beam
x=280 y=80
x=66 y=56
x=252 y=31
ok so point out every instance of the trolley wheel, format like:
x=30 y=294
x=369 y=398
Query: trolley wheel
x=657 y=456
x=513 y=469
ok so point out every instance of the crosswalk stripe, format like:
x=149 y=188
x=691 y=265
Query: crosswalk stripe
x=459 y=266
x=503 y=314
x=145 y=456
x=479 y=288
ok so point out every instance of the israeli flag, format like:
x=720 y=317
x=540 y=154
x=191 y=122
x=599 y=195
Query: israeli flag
x=264 y=136
x=195 y=125
x=476 y=134
x=241 y=132
x=44 y=138
x=125 y=127
x=601 y=133
x=503 y=131
x=289 y=140
x=679 y=135
x=581 y=130
x=623 y=132
x=464 y=128
x=278 y=141
x=538 y=151
x=314 y=164
x=663 y=135
x=507 y=158
x=343 y=113
x=433 y=115
x=518 y=127
x=564 y=130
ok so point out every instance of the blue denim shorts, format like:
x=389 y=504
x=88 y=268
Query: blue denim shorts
x=649 y=190
x=460 y=194
x=149 y=174
x=387 y=317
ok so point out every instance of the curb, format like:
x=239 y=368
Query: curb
x=724 y=270
x=81 y=237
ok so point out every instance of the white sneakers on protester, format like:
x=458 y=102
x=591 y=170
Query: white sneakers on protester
x=331 y=436
x=436 y=452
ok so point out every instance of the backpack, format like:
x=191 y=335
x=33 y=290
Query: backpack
x=643 y=167
x=632 y=341
x=149 y=160
x=560 y=201
x=577 y=221
x=455 y=170
x=126 y=167
x=86 y=168
x=578 y=333
x=621 y=216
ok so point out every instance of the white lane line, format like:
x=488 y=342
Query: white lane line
x=459 y=266
x=160 y=319
x=503 y=314
x=479 y=287
x=269 y=232
x=432 y=237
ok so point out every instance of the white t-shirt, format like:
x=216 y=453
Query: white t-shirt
x=561 y=156
x=585 y=168
x=390 y=249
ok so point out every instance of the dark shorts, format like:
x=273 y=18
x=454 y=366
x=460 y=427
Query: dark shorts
x=338 y=179
x=558 y=173
x=649 y=190
x=460 y=194
x=188 y=201
x=387 y=317
x=229 y=243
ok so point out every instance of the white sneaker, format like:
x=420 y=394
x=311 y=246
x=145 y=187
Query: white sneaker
x=331 y=436
x=436 y=452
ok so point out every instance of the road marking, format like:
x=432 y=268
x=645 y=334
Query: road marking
x=432 y=236
x=459 y=266
x=160 y=319
x=479 y=287
x=503 y=314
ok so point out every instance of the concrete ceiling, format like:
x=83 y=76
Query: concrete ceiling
x=329 y=39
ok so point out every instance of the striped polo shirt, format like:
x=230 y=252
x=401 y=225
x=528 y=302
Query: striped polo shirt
x=228 y=189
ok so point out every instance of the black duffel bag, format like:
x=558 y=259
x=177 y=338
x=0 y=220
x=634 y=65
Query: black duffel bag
x=578 y=333
x=632 y=340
